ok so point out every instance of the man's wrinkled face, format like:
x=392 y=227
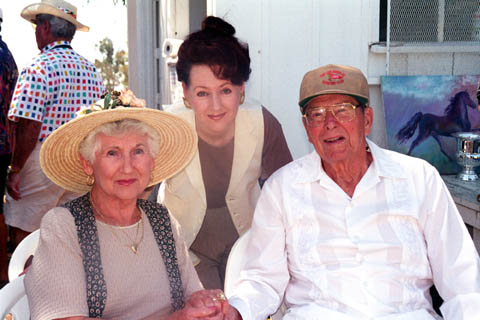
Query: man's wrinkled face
x=338 y=140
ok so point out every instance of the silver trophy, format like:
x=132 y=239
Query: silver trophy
x=468 y=154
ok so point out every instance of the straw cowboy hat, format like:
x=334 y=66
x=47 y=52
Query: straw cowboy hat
x=57 y=8
x=60 y=158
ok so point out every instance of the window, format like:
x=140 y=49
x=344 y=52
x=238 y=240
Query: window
x=420 y=21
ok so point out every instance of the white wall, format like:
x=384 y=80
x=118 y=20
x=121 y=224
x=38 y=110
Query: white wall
x=287 y=39
x=150 y=22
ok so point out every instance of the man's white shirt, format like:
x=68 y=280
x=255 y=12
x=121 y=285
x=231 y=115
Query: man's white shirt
x=370 y=256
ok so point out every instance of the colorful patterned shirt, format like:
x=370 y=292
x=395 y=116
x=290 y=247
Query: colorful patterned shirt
x=54 y=87
x=8 y=77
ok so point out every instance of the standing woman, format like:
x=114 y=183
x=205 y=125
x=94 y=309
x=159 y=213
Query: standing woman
x=240 y=144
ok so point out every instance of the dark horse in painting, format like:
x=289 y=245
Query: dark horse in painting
x=455 y=119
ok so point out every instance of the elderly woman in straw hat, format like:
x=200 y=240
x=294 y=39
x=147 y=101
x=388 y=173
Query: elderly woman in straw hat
x=109 y=254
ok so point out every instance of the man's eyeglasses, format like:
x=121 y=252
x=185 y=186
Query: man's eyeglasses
x=343 y=112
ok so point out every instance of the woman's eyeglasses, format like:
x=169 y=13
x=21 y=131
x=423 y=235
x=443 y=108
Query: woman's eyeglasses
x=343 y=112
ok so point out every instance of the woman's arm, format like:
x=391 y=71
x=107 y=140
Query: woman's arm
x=55 y=281
x=275 y=152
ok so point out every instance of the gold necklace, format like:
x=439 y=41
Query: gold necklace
x=135 y=243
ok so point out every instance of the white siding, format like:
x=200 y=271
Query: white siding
x=289 y=38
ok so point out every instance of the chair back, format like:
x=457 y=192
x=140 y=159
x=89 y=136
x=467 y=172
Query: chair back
x=13 y=301
x=23 y=251
x=235 y=263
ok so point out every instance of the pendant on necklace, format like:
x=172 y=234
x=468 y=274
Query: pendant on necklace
x=134 y=248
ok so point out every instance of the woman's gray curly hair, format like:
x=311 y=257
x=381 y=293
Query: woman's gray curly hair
x=90 y=145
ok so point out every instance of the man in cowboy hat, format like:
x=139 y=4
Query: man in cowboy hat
x=353 y=231
x=8 y=77
x=49 y=92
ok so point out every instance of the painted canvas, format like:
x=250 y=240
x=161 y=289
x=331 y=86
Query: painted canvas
x=422 y=112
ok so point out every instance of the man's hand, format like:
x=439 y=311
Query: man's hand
x=208 y=298
x=203 y=304
x=193 y=313
x=13 y=185
x=217 y=299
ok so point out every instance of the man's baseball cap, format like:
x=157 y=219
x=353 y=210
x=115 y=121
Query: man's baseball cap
x=331 y=79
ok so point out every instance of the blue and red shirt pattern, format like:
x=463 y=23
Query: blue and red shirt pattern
x=54 y=86
x=8 y=78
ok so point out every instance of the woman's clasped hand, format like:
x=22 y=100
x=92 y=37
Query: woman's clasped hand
x=206 y=304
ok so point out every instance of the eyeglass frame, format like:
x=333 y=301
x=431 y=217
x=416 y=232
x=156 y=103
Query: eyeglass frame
x=329 y=109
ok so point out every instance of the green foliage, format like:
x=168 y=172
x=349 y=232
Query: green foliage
x=112 y=99
x=113 y=66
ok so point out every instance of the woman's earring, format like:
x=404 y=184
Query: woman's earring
x=187 y=103
x=242 y=98
x=90 y=180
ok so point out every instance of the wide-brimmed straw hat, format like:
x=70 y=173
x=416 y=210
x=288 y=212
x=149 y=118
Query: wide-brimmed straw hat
x=333 y=79
x=57 y=8
x=60 y=158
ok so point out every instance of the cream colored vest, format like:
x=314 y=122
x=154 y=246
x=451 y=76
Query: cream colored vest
x=184 y=194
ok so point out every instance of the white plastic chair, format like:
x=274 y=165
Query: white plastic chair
x=235 y=262
x=24 y=250
x=13 y=301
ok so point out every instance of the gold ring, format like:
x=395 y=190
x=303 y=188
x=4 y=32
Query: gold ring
x=221 y=296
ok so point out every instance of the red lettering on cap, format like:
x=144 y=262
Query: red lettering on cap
x=333 y=77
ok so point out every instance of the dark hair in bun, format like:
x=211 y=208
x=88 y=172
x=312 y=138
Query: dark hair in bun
x=217 y=25
x=216 y=46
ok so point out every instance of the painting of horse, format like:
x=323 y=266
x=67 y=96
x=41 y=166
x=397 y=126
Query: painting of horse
x=422 y=113
x=455 y=119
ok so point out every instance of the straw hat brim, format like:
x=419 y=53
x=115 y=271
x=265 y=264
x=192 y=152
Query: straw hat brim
x=30 y=14
x=60 y=158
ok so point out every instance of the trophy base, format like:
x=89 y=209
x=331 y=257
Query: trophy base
x=467 y=176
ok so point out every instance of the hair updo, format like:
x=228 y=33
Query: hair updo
x=216 y=46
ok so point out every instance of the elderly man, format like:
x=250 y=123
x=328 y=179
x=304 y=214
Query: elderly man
x=354 y=231
x=49 y=92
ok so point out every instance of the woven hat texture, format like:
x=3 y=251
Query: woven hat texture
x=57 y=8
x=60 y=158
